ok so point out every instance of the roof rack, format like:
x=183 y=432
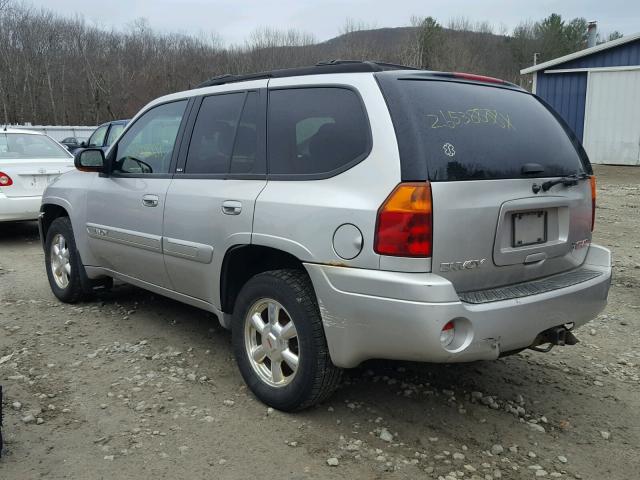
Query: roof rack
x=330 y=66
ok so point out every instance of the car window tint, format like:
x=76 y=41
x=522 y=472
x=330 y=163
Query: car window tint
x=147 y=146
x=308 y=127
x=214 y=133
x=115 y=131
x=315 y=130
x=455 y=131
x=97 y=138
x=245 y=148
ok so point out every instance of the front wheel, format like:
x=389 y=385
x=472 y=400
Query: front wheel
x=63 y=262
x=279 y=341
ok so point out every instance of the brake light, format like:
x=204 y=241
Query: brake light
x=478 y=78
x=404 y=224
x=594 y=194
x=5 y=180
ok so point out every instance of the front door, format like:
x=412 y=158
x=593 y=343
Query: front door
x=211 y=199
x=125 y=208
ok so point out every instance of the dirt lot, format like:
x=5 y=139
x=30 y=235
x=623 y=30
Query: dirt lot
x=132 y=385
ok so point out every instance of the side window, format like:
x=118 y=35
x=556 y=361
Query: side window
x=315 y=130
x=214 y=133
x=114 y=132
x=97 y=137
x=147 y=146
x=245 y=149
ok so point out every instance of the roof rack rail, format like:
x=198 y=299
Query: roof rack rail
x=329 y=66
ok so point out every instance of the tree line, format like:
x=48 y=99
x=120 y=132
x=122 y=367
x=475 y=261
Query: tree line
x=60 y=70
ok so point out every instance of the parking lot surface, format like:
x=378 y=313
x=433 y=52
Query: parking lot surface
x=133 y=385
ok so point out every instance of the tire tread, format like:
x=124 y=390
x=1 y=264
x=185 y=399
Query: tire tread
x=326 y=376
x=74 y=291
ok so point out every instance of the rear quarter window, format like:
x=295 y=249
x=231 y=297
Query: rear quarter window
x=451 y=131
x=315 y=132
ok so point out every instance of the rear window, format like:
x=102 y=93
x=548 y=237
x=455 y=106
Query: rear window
x=449 y=131
x=26 y=146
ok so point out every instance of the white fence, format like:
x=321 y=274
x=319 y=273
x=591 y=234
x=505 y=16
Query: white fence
x=59 y=132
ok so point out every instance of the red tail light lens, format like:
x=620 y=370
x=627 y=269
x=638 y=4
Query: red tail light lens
x=404 y=226
x=477 y=78
x=594 y=194
x=5 y=180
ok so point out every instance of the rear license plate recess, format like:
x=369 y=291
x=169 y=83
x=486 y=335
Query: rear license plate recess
x=528 y=228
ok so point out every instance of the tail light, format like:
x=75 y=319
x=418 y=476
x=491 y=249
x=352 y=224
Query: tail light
x=478 y=78
x=404 y=225
x=592 y=179
x=5 y=180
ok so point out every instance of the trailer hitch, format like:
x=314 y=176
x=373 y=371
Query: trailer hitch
x=553 y=336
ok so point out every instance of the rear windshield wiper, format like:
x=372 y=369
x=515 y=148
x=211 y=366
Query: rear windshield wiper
x=567 y=181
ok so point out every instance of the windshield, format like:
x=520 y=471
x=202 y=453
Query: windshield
x=454 y=131
x=28 y=146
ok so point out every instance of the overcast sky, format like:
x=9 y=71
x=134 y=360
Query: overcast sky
x=233 y=20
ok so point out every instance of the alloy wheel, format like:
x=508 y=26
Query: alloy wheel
x=271 y=342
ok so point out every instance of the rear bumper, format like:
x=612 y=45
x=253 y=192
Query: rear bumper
x=19 y=208
x=374 y=314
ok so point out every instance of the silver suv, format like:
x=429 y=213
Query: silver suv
x=338 y=213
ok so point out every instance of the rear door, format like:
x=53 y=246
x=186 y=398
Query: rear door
x=32 y=161
x=211 y=200
x=486 y=149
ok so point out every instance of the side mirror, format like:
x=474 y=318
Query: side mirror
x=90 y=160
x=83 y=144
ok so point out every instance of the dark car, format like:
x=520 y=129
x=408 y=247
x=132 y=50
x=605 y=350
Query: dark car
x=105 y=134
x=73 y=143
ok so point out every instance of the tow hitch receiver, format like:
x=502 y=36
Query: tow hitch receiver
x=554 y=336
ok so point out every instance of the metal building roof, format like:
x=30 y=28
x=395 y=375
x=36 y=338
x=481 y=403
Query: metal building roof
x=581 y=53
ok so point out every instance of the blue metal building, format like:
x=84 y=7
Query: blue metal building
x=597 y=92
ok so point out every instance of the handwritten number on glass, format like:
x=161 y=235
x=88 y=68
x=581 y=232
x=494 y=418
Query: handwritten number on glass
x=472 y=116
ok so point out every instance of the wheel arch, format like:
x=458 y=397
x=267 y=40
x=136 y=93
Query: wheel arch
x=48 y=213
x=241 y=262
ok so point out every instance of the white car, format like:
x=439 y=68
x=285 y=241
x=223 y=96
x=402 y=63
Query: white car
x=29 y=161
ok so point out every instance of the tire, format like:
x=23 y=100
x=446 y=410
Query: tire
x=66 y=273
x=315 y=378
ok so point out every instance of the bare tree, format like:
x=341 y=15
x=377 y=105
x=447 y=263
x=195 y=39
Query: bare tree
x=58 y=69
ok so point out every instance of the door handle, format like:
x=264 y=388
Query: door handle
x=150 y=200
x=231 y=207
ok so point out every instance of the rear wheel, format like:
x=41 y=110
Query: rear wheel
x=63 y=265
x=279 y=341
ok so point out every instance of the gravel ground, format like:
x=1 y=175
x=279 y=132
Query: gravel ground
x=132 y=385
